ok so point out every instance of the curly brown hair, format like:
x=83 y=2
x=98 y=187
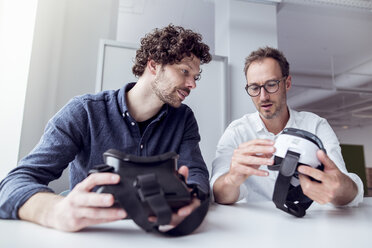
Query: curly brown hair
x=268 y=52
x=170 y=45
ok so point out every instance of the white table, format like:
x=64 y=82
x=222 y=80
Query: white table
x=244 y=225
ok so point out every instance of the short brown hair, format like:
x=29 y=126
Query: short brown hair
x=268 y=52
x=170 y=45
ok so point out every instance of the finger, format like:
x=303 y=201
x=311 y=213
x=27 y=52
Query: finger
x=91 y=199
x=256 y=150
x=325 y=160
x=267 y=155
x=312 y=172
x=250 y=171
x=306 y=186
x=262 y=142
x=312 y=189
x=152 y=219
x=101 y=213
x=181 y=213
x=270 y=159
x=184 y=171
x=252 y=160
x=97 y=179
x=304 y=181
x=186 y=210
x=77 y=223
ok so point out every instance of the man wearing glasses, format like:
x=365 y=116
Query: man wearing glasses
x=245 y=150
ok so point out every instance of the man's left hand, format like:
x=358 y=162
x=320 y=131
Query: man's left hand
x=335 y=187
x=183 y=212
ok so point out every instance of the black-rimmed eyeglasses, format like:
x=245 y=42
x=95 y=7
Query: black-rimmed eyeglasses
x=270 y=86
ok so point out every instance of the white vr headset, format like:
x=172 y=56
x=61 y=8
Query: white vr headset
x=294 y=147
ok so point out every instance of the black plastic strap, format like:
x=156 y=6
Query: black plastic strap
x=151 y=193
x=129 y=201
x=191 y=222
x=282 y=185
x=143 y=195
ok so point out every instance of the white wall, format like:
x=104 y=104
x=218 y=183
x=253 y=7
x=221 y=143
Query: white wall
x=136 y=18
x=16 y=34
x=44 y=71
x=358 y=136
x=64 y=61
x=242 y=27
x=86 y=22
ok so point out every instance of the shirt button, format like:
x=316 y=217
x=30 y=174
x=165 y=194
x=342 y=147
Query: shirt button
x=123 y=114
x=127 y=113
x=141 y=146
x=132 y=123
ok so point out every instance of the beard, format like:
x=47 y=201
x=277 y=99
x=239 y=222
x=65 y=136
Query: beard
x=277 y=107
x=268 y=114
x=165 y=91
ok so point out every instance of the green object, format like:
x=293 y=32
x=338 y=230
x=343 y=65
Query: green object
x=354 y=159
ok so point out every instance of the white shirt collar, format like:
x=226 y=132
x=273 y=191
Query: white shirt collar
x=259 y=125
x=292 y=119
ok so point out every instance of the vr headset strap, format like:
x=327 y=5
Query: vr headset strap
x=282 y=184
x=148 y=189
x=144 y=195
x=296 y=194
x=129 y=201
x=151 y=193
x=191 y=222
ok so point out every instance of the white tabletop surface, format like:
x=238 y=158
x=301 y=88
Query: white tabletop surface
x=243 y=225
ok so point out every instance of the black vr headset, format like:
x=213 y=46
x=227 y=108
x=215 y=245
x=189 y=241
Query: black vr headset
x=151 y=186
x=294 y=147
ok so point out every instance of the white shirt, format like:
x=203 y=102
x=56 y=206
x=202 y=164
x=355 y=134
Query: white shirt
x=250 y=127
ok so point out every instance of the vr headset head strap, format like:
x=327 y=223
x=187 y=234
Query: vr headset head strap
x=143 y=193
x=283 y=183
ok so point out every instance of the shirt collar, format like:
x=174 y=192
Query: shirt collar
x=259 y=125
x=122 y=97
x=292 y=119
x=122 y=100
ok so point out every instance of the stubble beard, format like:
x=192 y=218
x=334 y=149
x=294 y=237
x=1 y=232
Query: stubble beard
x=279 y=107
x=268 y=115
x=167 y=96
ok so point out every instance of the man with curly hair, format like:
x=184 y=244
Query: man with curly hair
x=145 y=118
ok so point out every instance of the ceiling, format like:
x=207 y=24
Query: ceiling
x=329 y=47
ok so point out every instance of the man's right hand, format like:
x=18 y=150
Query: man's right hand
x=79 y=209
x=245 y=162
